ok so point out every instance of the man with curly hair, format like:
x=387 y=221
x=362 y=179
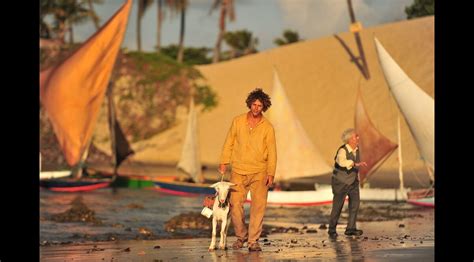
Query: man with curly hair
x=250 y=148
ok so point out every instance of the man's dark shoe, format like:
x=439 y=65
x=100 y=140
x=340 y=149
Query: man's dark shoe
x=332 y=234
x=238 y=244
x=353 y=232
x=254 y=247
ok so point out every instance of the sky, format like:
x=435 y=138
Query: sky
x=266 y=19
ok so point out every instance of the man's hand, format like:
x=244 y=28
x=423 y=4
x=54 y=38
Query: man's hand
x=222 y=168
x=361 y=164
x=269 y=182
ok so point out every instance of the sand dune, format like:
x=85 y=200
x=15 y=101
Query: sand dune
x=321 y=83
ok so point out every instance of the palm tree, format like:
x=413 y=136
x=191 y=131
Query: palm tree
x=66 y=13
x=289 y=37
x=95 y=18
x=142 y=7
x=77 y=14
x=159 y=21
x=226 y=10
x=180 y=6
x=241 y=43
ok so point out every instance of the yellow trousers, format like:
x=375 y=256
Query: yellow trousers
x=256 y=183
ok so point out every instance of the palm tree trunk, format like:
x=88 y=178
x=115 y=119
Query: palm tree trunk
x=220 y=36
x=158 y=25
x=94 y=17
x=181 y=35
x=61 y=31
x=71 y=35
x=139 y=35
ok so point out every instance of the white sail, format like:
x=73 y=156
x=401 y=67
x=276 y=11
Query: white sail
x=296 y=154
x=416 y=106
x=190 y=161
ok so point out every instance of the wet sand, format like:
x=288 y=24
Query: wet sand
x=409 y=239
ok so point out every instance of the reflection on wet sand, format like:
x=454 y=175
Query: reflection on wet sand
x=348 y=249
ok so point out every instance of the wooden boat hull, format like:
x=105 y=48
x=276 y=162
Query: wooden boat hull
x=54 y=174
x=70 y=185
x=276 y=198
x=184 y=188
x=318 y=197
x=426 y=202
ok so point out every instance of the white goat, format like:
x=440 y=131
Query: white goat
x=220 y=211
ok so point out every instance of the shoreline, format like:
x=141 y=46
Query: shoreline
x=410 y=239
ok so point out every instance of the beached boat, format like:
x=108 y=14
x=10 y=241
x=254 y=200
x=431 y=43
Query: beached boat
x=72 y=92
x=375 y=148
x=189 y=163
x=418 y=109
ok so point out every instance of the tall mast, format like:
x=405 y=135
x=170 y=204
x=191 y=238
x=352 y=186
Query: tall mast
x=400 y=162
x=111 y=112
x=355 y=28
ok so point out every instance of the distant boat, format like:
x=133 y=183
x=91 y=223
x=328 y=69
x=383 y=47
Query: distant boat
x=418 y=109
x=72 y=92
x=189 y=163
x=375 y=148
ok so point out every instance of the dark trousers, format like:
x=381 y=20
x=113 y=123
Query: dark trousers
x=340 y=190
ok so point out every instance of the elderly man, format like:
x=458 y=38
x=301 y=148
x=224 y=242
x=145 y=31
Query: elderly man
x=345 y=182
x=250 y=148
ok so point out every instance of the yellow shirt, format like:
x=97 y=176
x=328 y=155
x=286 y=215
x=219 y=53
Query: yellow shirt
x=250 y=151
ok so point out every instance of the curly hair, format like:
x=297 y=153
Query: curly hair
x=261 y=96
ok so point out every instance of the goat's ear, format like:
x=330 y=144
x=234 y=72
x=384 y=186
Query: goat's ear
x=214 y=185
x=231 y=184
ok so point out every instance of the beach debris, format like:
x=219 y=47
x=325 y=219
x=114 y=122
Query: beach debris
x=265 y=240
x=126 y=249
x=266 y=243
x=421 y=241
x=78 y=212
x=156 y=247
x=145 y=231
x=191 y=220
x=305 y=227
x=112 y=238
x=311 y=231
x=401 y=225
x=95 y=248
x=135 y=206
x=402 y=242
x=323 y=226
x=141 y=253
x=294 y=241
x=406 y=236
x=117 y=225
x=129 y=229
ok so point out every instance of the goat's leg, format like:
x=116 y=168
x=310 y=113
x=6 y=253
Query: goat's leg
x=225 y=231
x=222 y=243
x=213 y=240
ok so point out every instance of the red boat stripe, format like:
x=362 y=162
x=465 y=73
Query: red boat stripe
x=79 y=188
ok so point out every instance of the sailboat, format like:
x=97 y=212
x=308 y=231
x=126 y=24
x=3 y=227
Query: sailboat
x=189 y=163
x=418 y=109
x=72 y=92
x=297 y=156
x=375 y=149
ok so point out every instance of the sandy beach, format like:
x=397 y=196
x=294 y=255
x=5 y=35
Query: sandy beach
x=408 y=239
